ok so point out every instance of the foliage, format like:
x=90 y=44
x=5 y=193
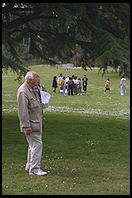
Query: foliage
x=53 y=30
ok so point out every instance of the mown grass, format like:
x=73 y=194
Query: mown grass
x=84 y=153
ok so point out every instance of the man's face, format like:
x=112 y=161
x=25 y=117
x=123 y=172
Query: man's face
x=36 y=80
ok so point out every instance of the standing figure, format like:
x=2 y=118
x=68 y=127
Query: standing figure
x=66 y=81
x=85 y=82
x=54 y=84
x=62 y=84
x=79 y=86
x=107 y=85
x=70 y=84
x=58 y=81
x=30 y=113
x=75 y=80
x=123 y=86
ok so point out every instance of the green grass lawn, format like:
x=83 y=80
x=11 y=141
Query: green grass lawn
x=86 y=141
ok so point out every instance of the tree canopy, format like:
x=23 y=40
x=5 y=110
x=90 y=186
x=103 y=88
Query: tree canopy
x=95 y=34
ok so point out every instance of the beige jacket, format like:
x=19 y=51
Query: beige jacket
x=30 y=108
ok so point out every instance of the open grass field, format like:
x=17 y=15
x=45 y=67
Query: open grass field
x=86 y=141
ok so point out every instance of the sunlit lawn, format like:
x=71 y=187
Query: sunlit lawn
x=86 y=141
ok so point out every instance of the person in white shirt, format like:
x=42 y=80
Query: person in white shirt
x=66 y=80
x=123 y=86
x=79 y=86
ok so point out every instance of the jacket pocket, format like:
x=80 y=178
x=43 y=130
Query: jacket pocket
x=35 y=125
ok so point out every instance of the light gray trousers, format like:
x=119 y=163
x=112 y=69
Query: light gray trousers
x=34 y=151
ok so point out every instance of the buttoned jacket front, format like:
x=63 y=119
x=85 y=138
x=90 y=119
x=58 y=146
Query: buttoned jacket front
x=30 y=108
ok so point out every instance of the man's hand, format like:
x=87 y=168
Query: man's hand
x=28 y=131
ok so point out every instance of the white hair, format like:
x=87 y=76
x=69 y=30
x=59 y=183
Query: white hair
x=29 y=75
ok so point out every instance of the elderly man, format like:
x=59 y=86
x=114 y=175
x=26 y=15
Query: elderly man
x=30 y=113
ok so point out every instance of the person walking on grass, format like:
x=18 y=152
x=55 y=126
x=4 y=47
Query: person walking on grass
x=123 y=86
x=30 y=113
x=70 y=85
x=75 y=80
x=62 y=84
x=79 y=86
x=85 y=82
x=58 y=81
x=54 y=84
x=107 y=86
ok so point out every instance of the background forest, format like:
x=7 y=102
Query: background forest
x=85 y=34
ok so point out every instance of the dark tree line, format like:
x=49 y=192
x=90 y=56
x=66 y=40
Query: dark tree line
x=88 y=34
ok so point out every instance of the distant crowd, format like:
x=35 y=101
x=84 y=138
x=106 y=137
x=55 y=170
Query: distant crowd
x=70 y=85
x=77 y=86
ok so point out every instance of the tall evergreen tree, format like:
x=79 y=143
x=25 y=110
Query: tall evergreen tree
x=54 y=30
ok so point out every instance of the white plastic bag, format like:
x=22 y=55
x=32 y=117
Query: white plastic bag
x=45 y=98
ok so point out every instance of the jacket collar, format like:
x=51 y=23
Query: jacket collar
x=30 y=88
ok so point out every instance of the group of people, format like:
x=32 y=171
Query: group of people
x=122 y=83
x=73 y=85
x=70 y=85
